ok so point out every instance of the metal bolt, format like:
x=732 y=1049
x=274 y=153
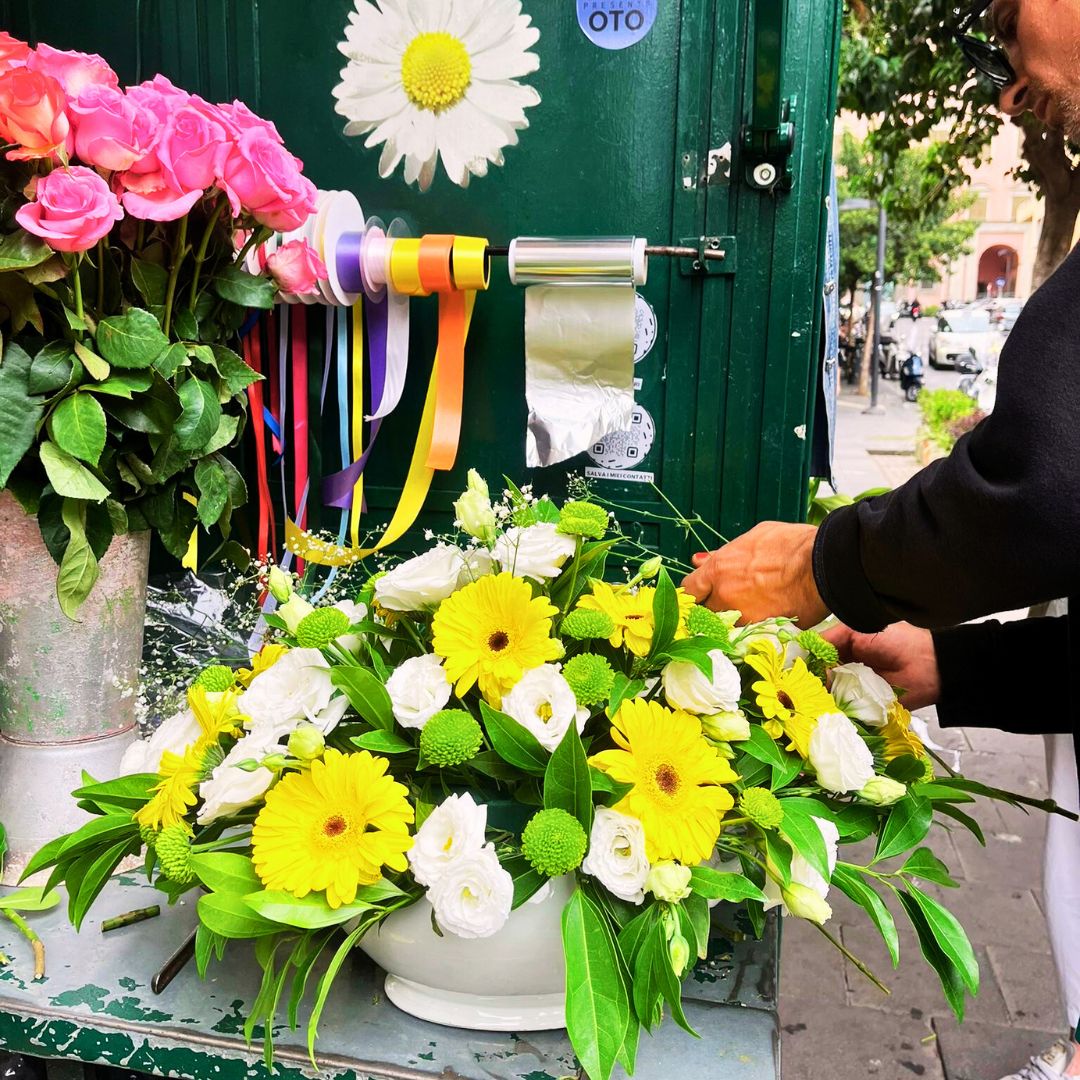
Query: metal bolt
x=764 y=174
x=697 y=264
x=714 y=244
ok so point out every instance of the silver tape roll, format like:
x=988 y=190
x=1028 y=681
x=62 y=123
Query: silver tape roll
x=599 y=260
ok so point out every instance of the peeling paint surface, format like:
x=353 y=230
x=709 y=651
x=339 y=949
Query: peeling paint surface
x=94 y=1005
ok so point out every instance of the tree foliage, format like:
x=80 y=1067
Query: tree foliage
x=924 y=233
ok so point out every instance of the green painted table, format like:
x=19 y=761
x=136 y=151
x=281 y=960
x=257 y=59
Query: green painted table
x=94 y=1006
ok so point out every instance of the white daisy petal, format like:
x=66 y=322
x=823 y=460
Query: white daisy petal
x=496 y=28
x=378 y=106
x=505 y=100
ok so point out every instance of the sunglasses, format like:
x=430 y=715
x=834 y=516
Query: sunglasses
x=988 y=59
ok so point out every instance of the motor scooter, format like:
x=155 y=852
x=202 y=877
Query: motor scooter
x=911 y=376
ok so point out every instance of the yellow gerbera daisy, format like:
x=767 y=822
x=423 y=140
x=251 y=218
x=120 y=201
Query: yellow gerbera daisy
x=333 y=828
x=265 y=658
x=632 y=614
x=898 y=736
x=791 y=701
x=676 y=776
x=491 y=632
x=175 y=794
x=217 y=714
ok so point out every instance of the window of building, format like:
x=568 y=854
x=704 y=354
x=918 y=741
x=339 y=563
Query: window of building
x=977 y=211
x=1023 y=207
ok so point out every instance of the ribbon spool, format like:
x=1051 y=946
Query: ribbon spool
x=343 y=218
x=536 y=260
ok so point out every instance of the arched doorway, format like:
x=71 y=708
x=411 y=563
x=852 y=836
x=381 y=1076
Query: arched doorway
x=997 y=271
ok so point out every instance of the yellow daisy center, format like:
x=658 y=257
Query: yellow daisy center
x=498 y=641
x=435 y=71
x=667 y=779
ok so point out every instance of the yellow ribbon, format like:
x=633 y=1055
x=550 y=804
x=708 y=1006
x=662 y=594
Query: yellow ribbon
x=357 y=416
x=190 y=561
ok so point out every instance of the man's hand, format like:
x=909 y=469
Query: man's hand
x=902 y=654
x=763 y=573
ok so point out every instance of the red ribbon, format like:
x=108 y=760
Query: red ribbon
x=267 y=535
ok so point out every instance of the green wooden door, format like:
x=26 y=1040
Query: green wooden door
x=620 y=145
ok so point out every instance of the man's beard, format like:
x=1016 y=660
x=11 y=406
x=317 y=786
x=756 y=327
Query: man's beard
x=1066 y=102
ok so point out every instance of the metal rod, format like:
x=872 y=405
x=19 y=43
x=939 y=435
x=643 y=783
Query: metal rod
x=496 y=251
x=174 y=965
x=879 y=284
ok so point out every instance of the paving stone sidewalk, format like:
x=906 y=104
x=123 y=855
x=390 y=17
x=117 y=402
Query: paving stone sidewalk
x=835 y=1024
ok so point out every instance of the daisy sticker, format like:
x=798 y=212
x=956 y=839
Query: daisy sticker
x=438 y=78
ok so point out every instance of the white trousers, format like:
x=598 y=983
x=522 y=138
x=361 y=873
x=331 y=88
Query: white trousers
x=1061 y=873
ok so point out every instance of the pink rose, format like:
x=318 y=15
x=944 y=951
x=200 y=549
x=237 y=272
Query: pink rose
x=32 y=114
x=13 y=52
x=194 y=144
x=159 y=96
x=111 y=131
x=296 y=268
x=74 y=71
x=72 y=210
x=263 y=178
x=243 y=119
x=153 y=195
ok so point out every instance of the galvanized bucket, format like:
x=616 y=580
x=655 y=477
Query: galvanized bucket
x=67 y=689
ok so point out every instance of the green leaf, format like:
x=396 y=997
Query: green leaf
x=847 y=879
x=949 y=935
x=567 y=783
x=952 y=982
x=226 y=872
x=716 y=885
x=79 y=567
x=646 y=988
x=527 y=881
x=367 y=695
x=206 y=943
x=801 y=831
x=77 y=425
x=32 y=898
x=51 y=368
x=154 y=412
x=383 y=742
x=132 y=340
x=666 y=615
x=229 y=915
x=236 y=372
x=126 y=792
x=622 y=689
x=602 y=782
x=96 y=875
x=19 y=410
x=514 y=743
x=122 y=384
x=247 y=290
x=201 y=414
x=906 y=769
x=926 y=865
x=489 y=763
x=68 y=477
x=45 y=857
x=907 y=825
x=312 y=912
x=597 y=995
x=97 y=368
x=20 y=250
x=966 y=820
x=185 y=325
x=696 y=917
x=225 y=434
x=779 y=855
x=213 y=491
x=763 y=746
x=169 y=361
x=632 y=936
x=151 y=281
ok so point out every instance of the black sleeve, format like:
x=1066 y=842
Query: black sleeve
x=977 y=690
x=996 y=525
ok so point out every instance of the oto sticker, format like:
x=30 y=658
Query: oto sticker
x=626 y=449
x=616 y=24
x=644 y=327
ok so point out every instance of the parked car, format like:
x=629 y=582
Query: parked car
x=957 y=333
x=1008 y=313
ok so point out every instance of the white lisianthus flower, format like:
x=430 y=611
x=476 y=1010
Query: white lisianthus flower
x=296 y=688
x=428 y=579
x=616 y=856
x=779 y=634
x=294 y=611
x=173 y=734
x=473 y=897
x=357 y=613
x=806 y=877
x=669 y=881
x=452 y=831
x=418 y=689
x=840 y=757
x=535 y=551
x=862 y=693
x=542 y=702
x=882 y=791
x=474 y=511
x=726 y=726
x=230 y=789
x=685 y=687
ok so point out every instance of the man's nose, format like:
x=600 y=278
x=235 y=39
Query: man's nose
x=1016 y=97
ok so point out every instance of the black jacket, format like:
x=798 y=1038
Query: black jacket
x=993 y=527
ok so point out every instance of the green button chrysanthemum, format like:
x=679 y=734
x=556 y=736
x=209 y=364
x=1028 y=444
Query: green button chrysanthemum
x=583 y=519
x=173 y=846
x=762 y=807
x=216 y=679
x=367 y=590
x=148 y=835
x=823 y=654
x=590 y=677
x=322 y=626
x=554 y=842
x=450 y=737
x=582 y=624
x=707 y=623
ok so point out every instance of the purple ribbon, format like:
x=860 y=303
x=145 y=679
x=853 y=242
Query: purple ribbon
x=376 y=323
x=337 y=488
x=347 y=261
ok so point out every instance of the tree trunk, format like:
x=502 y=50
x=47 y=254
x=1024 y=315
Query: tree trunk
x=867 y=359
x=1059 y=183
